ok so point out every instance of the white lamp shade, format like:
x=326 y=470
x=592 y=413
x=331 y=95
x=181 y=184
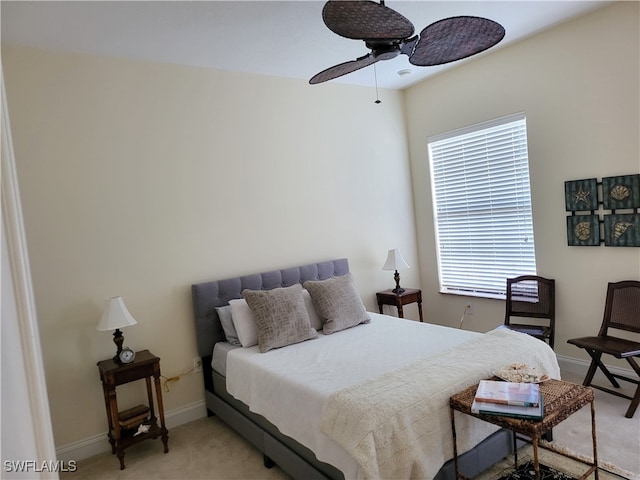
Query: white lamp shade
x=115 y=315
x=394 y=261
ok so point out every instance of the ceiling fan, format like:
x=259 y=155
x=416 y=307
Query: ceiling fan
x=388 y=34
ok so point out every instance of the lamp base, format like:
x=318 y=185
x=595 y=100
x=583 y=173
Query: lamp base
x=118 y=339
x=398 y=289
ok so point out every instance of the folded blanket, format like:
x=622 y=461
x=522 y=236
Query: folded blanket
x=398 y=426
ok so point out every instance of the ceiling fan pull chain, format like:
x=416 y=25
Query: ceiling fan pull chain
x=375 y=76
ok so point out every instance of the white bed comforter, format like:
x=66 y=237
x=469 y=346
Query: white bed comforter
x=320 y=391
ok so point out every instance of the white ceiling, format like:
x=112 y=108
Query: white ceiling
x=281 y=38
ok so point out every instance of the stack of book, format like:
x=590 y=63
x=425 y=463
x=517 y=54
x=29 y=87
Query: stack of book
x=511 y=399
x=133 y=417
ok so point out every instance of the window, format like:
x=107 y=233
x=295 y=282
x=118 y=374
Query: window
x=482 y=206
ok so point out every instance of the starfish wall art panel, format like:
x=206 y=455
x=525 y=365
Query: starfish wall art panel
x=581 y=195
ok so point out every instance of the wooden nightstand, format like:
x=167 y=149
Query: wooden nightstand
x=112 y=374
x=410 y=295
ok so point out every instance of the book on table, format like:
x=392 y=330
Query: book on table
x=517 y=411
x=132 y=417
x=508 y=393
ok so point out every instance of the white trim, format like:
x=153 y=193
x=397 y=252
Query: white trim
x=576 y=365
x=24 y=301
x=514 y=117
x=98 y=444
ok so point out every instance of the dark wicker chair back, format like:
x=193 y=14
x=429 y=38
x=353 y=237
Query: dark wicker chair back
x=532 y=296
x=621 y=312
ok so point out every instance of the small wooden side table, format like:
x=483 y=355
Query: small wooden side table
x=145 y=366
x=561 y=400
x=410 y=295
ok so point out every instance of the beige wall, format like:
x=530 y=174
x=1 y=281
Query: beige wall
x=140 y=179
x=579 y=87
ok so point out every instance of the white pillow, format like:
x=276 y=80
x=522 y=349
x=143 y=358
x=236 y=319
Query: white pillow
x=244 y=322
x=316 y=321
x=226 y=320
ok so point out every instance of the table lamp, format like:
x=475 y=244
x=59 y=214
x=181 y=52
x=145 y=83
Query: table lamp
x=395 y=261
x=115 y=317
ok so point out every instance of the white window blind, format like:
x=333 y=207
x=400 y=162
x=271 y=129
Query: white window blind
x=482 y=206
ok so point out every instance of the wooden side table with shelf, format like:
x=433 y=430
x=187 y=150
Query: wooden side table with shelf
x=122 y=430
x=410 y=295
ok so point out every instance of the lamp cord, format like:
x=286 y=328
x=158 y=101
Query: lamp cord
x=169 y=380
x=464 y=313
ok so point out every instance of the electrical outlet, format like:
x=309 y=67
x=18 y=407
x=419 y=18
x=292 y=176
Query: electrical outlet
x=469 y=309
x=197 y=364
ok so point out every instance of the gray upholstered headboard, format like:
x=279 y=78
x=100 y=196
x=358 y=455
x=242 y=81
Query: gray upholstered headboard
x=208 y=295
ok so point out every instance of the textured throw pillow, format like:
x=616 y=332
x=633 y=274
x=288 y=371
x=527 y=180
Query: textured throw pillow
x=316 y=321
x=244 y=322
x=225 y=316
x=281 y=316
x=337 y=302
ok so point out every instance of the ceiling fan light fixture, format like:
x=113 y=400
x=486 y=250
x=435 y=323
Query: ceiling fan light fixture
x=386 y=52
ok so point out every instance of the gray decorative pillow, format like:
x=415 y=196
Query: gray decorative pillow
x=224 y=313
x=337 y=302
x=281 y=316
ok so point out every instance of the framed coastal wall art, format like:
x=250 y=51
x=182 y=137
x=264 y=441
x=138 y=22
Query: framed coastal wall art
x=621 y=192
x=606 y=212
x=581 y=195
x=583 y=231
x=622 y=230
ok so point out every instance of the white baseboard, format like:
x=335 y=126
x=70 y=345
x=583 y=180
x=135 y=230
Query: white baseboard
x=575 y=365
x=97 y=444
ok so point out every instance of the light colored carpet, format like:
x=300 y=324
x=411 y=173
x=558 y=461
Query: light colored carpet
x=618 y=437
x=208 y=449
x=202 y=449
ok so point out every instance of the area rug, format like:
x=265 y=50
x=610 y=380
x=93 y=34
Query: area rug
x=526 y=471
x=552 y=466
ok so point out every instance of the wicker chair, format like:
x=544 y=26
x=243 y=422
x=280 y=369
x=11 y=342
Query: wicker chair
x=532 y=296
x=622 y=313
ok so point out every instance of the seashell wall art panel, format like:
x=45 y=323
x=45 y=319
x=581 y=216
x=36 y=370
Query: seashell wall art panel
x=622 y=230
x=621 y=192
x=583 y=231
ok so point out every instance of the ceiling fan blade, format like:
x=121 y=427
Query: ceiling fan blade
x=365 y=20
x=343 y=69
x=455 y=38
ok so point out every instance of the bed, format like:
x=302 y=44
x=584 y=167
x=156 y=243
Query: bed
x=381 y=415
